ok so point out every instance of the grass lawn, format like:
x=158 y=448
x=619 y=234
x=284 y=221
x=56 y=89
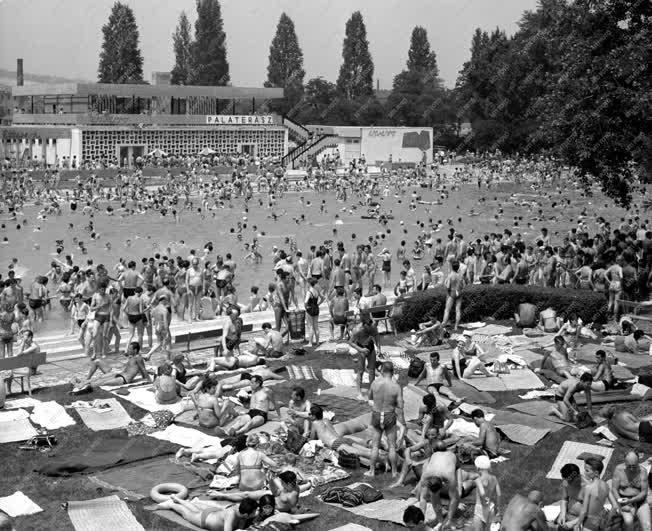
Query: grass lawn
x=526 y=468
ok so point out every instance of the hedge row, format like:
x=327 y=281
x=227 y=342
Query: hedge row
x=498 y=301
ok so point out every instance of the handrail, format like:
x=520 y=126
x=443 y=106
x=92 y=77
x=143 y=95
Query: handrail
x=296 y=125
x=301 y=150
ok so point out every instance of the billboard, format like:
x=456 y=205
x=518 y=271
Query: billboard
x=404 y=144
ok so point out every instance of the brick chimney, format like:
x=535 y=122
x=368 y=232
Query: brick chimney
x=20 y=80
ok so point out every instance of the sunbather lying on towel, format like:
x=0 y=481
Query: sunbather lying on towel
x=213 y=519
x=333 y=437
x=419 y=454
x=133 y=367
x=557 y=359
x=213 y=411
x=628 y=425
x=243 y=380
x=231 y=362
x=236 y=444
x=284 y=488
x=565 y=406
x=260 y=404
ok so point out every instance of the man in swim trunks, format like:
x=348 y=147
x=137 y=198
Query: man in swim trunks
x=438 y=379
x=363 y=341
x=440 y=472
x=260 y=404
x=488 y=439
x=630 y=487
x=628 y=425
x=454 y=284
x=525 y=514
x=132 y=368
x=232 y=363
x=213 y=519
x=232 y=332
x=338 y=305
x=565 y=406
x=386 y=397
x=271 y=344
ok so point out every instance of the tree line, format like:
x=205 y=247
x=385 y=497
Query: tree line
x=574 y=82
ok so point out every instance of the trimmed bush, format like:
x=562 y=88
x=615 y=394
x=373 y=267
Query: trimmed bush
x=498 y=301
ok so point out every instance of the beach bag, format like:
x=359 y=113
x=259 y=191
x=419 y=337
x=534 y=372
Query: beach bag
x=368 y=493
x=416 y=367
x=295 y=441
x=347 y=460
x=344 y=496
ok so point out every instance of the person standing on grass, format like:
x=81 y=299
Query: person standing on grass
x=386 y=398
x=487 y=496
x=313 y=298
x=454 y=284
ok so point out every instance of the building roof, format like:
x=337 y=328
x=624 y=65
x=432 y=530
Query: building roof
x=146 y=91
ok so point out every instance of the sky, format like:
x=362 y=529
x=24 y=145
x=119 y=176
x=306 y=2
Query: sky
x=63 y=37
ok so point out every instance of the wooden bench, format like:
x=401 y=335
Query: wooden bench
x=26 y=362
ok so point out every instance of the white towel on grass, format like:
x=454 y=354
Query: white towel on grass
x=18 y=505
x=51 y=416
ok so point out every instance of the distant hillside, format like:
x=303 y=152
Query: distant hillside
x=8 y=77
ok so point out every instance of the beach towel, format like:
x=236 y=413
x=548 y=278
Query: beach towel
x=520 y=434
x=342 y=377
x=188 y=437
x=144 y=398
x=102 y=514
x=137 y=383
x=464 y=428
x=141 y=477
x=471 y=394
x=97 y=418
x=570 y=452
x=341 y=391
x=503 y=417
x=517 y=379
x=538 y=408
x=51 y=416
x=14 y=414
x=387 y=510
x=102 y=453
x=493 y=330
x=16 y=430
x=343 y=407
x=301 y=372
x=18 y=505
x=28 y=401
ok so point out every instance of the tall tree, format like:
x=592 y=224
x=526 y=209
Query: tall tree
x=357 y=70
x=182 y=44
x=120 y=58
x=285 y=67
x=210 y=66
x=285 y=56
x=420 y=58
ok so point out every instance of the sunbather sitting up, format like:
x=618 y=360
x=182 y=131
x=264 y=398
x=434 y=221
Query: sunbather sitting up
x=261 y=403
x=133 y=367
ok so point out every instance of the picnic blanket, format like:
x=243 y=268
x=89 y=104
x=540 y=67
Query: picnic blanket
x=517 y=379
x=18 y=505
x=301 y=372
x=569 y=454
x=102 y=514
x=97 y=418
x=103 y=453
x=503 y=417
x=51 y=416
x=520 y=434
x=188 y=437
x=28 y=401
x=493 y=330
x=144 y=398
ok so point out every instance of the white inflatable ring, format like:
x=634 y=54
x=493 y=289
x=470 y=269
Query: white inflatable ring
x=163 y=491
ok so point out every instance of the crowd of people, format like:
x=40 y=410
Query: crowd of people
x=145 y=293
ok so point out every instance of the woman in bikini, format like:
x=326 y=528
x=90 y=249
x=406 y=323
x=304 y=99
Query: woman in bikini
x=212 y=412
x=250 y=465
x=195 y=283
x=135 y=312
x=182 y=289
x=101 y=305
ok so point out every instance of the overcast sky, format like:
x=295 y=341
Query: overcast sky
x=63 y=37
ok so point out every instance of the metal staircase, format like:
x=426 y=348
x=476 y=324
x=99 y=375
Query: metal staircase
x=296 y=131
x=314 y=147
